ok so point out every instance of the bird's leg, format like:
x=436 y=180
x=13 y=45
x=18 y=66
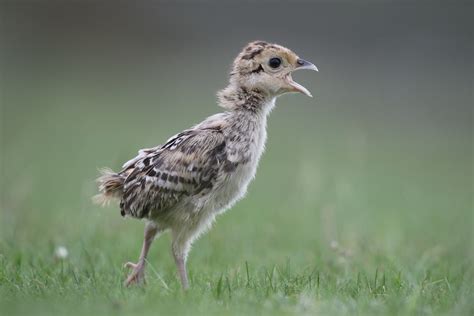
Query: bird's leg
x=138 y=273
x=180 y=248
x=181 y=266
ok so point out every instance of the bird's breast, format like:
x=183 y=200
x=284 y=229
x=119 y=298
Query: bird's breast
x=245 y=143
x=244 y=152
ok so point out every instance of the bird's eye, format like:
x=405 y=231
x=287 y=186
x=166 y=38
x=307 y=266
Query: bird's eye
x=274 y=62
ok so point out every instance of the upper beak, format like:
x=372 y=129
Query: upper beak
x=301 y=64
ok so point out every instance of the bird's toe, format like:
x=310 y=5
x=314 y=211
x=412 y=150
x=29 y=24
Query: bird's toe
x=130 y=265
x=137 y=276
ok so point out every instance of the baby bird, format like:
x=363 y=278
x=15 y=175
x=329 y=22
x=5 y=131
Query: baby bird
x=199 y=173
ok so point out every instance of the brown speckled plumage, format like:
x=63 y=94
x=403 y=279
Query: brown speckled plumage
x=183 y=184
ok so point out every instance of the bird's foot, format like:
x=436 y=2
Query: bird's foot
x=137 y=276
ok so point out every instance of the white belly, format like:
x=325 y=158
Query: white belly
x=234 y=188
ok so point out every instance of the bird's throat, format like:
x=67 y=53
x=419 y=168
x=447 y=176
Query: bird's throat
x=241 y=98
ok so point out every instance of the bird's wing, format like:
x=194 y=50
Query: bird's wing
x=187 y=164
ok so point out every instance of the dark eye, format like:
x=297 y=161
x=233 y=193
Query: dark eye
x=274 y=62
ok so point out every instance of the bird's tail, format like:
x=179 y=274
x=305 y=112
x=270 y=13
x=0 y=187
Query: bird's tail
x=110 y=186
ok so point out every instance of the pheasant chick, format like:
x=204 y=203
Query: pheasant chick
x=199 y=173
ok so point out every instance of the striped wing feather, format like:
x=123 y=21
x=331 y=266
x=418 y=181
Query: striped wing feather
x=158 y=178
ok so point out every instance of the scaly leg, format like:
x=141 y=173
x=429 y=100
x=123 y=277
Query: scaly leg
x=138 y=273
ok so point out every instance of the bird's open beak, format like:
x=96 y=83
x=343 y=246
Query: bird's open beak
x=296 y=87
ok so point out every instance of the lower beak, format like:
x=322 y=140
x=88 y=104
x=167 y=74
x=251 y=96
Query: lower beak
x=301 y=64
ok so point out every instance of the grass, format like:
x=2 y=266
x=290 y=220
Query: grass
x=351 y=217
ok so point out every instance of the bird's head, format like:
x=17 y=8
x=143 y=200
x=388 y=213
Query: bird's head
x=268 y=67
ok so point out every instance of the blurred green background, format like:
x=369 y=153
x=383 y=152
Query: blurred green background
x=373 y=174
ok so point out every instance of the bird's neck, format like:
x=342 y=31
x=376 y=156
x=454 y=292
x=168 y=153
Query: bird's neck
x=252 y=100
